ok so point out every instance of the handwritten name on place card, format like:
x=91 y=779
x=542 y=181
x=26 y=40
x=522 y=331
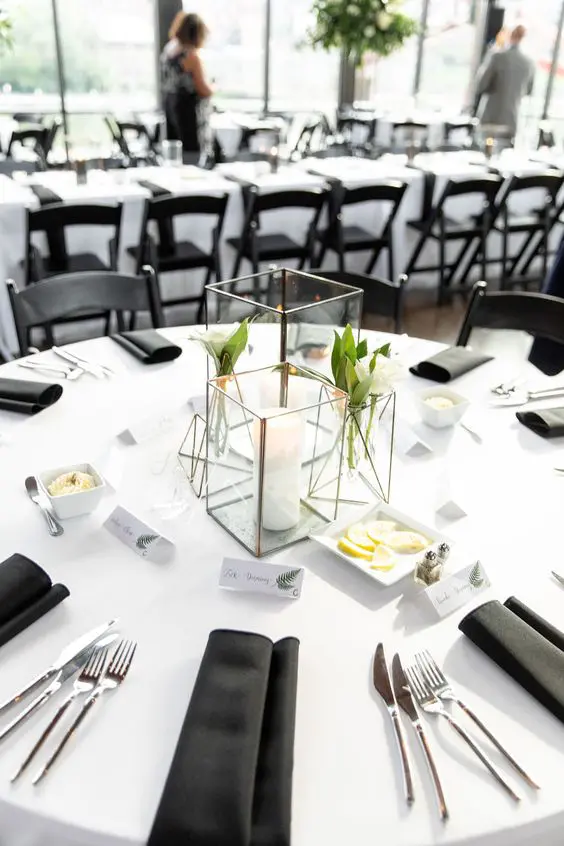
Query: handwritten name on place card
x=261 y=577
x=454 y=591
x=138 y=536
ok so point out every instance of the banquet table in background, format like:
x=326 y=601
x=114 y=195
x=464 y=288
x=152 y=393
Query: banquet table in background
x=346 y=781
x=122 y=185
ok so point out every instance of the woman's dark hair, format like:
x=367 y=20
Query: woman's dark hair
x=189 y=28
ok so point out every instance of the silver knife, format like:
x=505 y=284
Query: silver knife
x=72 y=653
x=406 y=703
x=98 y=370
x=384 y=688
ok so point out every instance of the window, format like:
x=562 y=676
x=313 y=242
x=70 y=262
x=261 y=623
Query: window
x=389 y=81
x=300 y=77
x=234 y=52
x=448 y=53
x=111 y=70
x=28 y=73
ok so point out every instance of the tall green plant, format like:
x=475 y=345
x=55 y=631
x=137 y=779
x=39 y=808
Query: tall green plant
x=360 y=26
x=6 y=37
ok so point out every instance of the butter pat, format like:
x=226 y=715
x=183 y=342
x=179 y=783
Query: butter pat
x=70 y=483
x=439 y=403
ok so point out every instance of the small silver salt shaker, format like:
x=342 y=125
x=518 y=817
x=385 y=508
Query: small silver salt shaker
x=443 y=552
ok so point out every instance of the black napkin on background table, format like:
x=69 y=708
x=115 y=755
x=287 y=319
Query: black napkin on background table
x=230 y=781
x=26 y=396
x=148 y=346
x=449 y=364
x=517 y=640
x=55 y=237
x=26 y=594
x=166 y=232
x=546 y=422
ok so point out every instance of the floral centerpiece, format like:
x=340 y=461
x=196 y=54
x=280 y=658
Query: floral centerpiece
x=224 y=345
x=360 y=26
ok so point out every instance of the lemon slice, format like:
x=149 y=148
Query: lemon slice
x=357 y=535
x=406 y=542
x=383 y=560
x=350 y=548
x=378 y=529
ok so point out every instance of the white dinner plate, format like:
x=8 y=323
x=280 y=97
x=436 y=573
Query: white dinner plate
x=405 y=563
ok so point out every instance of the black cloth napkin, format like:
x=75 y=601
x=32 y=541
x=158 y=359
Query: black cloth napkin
x=55 y=237
x=26 y=396
x=26 y=594
x=230 y=782
x=449 y=364
x=546 y=422
x=524 y=645
x=148 y=346
x=166 y=232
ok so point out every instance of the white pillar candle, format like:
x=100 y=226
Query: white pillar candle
x=283 y=438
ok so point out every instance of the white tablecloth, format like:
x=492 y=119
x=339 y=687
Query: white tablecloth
x=346 y=780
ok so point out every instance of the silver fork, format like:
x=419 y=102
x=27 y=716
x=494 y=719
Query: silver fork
x=429 y=703
x=439 y=685
x=509 y=387
x=86 y=681
x=110 y=680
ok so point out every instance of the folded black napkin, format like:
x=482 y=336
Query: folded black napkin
x=55 y=237
x=148 y=346
x=45 y=196
x=449 y=364
x=528 y=648
x=164 y=225
x=26 y=396
x=26 y=594
x=230 y=782
x=153 y=188
x=546 y=422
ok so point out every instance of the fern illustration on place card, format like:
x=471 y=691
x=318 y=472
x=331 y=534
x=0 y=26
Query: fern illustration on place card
x=138 y=536
x=261 y=577
x=456 y=589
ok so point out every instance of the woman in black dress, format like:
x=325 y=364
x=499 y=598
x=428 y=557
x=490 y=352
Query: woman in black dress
x=186 y=94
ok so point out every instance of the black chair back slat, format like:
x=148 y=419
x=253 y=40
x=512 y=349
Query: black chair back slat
x=62 y=215
x=311 y=198
x=487 y=185
x=381 y=297
x=389 y=191
x=538 y=314
x=175 y=206
x=67 y=295
x=550 y=180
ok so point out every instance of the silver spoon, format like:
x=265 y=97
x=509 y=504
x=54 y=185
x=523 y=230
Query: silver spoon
x=41 y=501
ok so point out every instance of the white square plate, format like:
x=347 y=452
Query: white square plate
x=405 y=563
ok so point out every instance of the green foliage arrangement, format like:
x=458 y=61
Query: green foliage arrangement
x=6 y=39
x=360 y=26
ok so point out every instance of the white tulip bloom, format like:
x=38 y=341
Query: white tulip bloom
x=386 y=373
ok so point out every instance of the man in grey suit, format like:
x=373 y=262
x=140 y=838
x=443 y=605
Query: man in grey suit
x=505 y=78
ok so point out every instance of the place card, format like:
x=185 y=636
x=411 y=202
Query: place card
x=198 y=403
x=260 y=577
x=454 y=591
x=407 y=441
x=150 y=427
x=449 y=501
x=138 y=536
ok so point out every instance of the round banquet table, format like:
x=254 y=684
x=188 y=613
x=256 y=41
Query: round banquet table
x=347 y=786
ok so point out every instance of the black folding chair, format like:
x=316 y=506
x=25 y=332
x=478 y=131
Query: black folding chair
x=471 y=231
x=540 y=315
x=358 y=129
x=33 y=138
x=466 y=126
x=345 y=239
x=168 y=255
x=53 y=221
x=381 y=297
x=409 y=133
x=535 y=226
x=277 y=246
x=64 y=297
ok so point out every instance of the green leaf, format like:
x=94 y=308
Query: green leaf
x=235 y=345
x=362 y=349
x=385 y=350
x=350 y=376
x=348 y=344
x=336 y=355
x=341 y=380
x=286 y=581
x=145 y=541
x=476 y=577
x=361 y=391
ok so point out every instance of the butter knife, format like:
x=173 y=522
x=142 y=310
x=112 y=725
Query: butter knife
x=97 y=370
x=382 y=684
x=406 y=703
x=520 y=398
x=75 y=651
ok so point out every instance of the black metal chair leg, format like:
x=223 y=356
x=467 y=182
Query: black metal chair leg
x=442 y=263
x=504 y=249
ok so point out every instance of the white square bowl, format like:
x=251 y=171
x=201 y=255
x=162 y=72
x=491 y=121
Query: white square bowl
x=75 y=504
x=440 y=418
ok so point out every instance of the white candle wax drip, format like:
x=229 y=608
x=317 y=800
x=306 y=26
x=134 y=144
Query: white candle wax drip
x=283 y=436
